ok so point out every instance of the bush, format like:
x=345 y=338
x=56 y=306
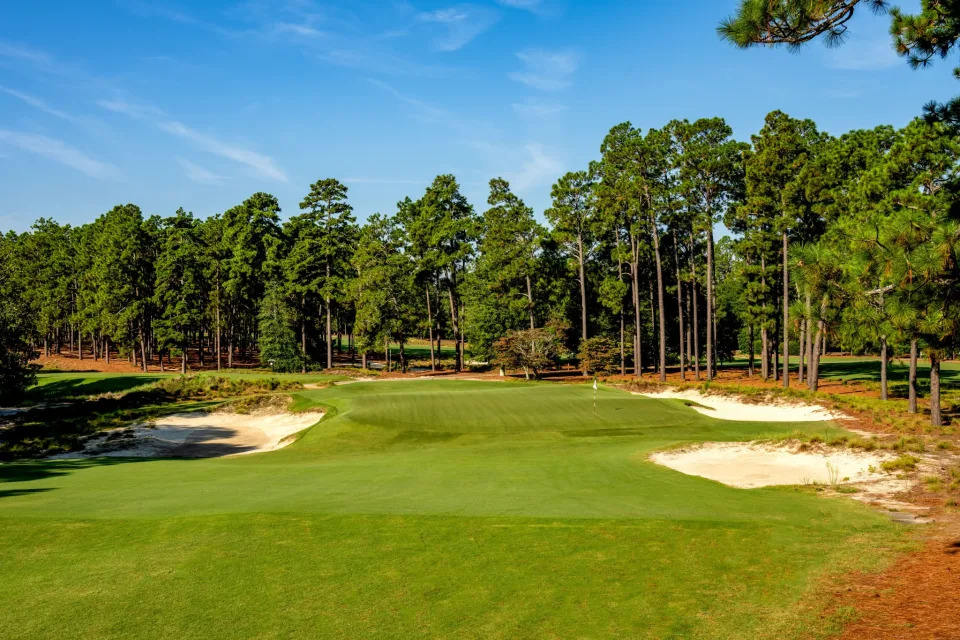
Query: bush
x=532 y=350
x=599 y=355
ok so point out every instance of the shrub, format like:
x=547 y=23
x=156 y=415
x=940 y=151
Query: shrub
x=599 y=355
x=903 y=463
x=532 y=350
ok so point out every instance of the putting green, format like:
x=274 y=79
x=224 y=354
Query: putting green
x=427 y=509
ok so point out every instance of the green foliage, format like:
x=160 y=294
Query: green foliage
x=16 y=374
x=278 y=342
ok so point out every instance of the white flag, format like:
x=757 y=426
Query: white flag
x=594 y=384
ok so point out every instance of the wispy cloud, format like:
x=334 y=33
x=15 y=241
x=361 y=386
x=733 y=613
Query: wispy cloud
x=368 y=180
x=20 y=52
x=304 y=30
x=539 y=165
x=196 y=173
x=59 y=151
x=546 y=70
x=535 y=109
x=38 y=103
x=863 y=55
x=459 y=24
x=262 y=164
x=535 y=6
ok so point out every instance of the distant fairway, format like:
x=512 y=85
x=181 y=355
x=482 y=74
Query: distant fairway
x=427 y=509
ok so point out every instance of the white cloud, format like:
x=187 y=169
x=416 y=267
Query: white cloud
x=546 y=70
x=863 y=55
x=262 y=164
x=10 y=50
x=539 y=165
x=459 y=24
x=38 y=103
x=59 y=151
x=529 y=5
x=539 y=168
x=198 y=174
x=534 y=109
x=368 y=180
x=297 y=29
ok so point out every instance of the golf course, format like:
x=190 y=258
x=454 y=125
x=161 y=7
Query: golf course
x=430 y=509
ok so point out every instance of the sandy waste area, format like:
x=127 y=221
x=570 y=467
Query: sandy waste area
x=200 y=434
x=731 y=408
x=751 y=465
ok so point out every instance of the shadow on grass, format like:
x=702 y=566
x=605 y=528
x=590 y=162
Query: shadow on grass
x=72 y=388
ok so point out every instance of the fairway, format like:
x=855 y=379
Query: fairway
x=427 y=509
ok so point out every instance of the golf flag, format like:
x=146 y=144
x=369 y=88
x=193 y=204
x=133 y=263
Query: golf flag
x=594 y=384
x=594 y=395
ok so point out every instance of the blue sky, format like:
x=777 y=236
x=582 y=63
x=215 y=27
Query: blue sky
x=201 y=104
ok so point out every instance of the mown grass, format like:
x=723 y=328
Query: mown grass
x=430 y=509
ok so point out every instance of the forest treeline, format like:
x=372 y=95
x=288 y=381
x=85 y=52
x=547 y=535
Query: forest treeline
x=851 y=241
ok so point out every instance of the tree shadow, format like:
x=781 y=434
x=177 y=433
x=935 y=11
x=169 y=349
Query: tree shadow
x=29 y=471
x=72 y=388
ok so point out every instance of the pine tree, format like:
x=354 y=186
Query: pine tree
x=332 y=239
x=177 y=288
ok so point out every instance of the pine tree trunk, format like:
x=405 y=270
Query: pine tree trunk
x=433 y=359
x=936 y=418
x=764 y=354
x=583 y=295
x=883 y=367
x=710 y=325
x=786 y=313
x=750 y=369
x=696 y=329
x=530 y=302
x=813 y=377
x=809 y=345
x=329 y=332
x=454 y=323
x=653 y=313
x=676 y=262
x=143 y=351
x=689 y=302
x=106 y=342
x=912 y=378
x=803 y=339
x=661 y=313
x=183 y=359
x=637 y=324
x=303 y=333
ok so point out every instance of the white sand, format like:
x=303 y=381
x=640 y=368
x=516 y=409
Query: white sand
x=732 y=408
x=202 y=435
x=756 y=465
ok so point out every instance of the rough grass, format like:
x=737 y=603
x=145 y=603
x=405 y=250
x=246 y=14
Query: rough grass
x=430 y=509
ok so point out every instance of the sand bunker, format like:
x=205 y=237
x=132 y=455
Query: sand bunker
x=732 y=408
x=200 y=435
x=750 y=465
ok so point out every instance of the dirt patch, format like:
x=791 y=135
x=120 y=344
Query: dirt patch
x=200 y=434
x=732 y=408
x=751 y=465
